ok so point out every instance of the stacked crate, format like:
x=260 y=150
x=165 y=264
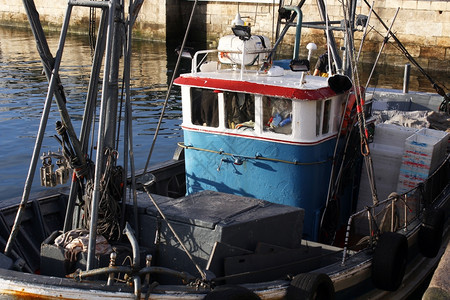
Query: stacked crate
x=424 y=151
x=387 y=151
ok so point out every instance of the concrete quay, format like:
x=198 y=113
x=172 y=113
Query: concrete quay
x=439 y=288
x=423 y=26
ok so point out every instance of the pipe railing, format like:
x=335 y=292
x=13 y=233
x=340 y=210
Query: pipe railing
x=425 y=190
x=195 y=65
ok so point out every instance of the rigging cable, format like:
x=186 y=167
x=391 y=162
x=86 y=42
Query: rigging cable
x=445 y=105
x=363 y=132
x=256 y=12
x=180 y=242
x=175 y=71
x=333 y=188
x=273 y=20
x=327 y=33
x=389 y=34
x=364 y=33
x=134 y=9
x=92 y=38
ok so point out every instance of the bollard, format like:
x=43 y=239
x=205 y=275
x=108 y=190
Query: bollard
x=406 y=78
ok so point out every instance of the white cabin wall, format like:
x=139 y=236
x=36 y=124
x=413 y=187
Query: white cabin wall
x=305 y=116
x=258 y=115
x=186 y=105
x=221 y=107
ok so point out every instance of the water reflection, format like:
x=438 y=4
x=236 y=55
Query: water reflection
x=23 y=89
x=391 y=77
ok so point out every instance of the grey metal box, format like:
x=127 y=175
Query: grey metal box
x=204 y=218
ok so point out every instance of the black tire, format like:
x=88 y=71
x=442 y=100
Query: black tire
x=430 y=232
x=389 y=261
x=231 y=292
x=310 y=286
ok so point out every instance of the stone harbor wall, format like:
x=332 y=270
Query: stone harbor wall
x=423 y=26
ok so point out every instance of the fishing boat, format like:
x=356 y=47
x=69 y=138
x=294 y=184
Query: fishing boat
x=285 y=186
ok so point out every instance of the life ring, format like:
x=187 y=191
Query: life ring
x=389 y=261
x=310 y=286
x=231 y=292
x=430 y=232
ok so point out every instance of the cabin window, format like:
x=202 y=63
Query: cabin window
x=277 y=115
x=204 y=107
x=326 y=117
x=239 y=110
x=323 y=109
x=318 y=116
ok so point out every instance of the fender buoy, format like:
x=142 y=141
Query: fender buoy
x=231 y=292
x=310 y=286
x=389 y=261
x=430 y=232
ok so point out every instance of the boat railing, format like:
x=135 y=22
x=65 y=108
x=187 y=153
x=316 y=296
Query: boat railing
x=196 y=65
x=400 y=210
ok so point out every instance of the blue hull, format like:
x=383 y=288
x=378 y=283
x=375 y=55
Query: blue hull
x=301 y=183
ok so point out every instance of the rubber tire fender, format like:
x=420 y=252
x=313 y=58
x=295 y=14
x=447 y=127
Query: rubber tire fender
x=231 y=292
x=430 y=232
x=311 y=286
x=389 y=261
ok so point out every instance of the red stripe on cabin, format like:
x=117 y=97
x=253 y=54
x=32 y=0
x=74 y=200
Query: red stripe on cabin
x=256 y=88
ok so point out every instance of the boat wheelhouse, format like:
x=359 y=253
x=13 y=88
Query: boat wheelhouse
x=266 y=135
x=251 y=134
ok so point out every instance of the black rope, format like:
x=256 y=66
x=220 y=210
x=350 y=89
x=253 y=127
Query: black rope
x=109 y=210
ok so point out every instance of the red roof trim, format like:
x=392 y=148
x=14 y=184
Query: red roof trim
x=256 y=88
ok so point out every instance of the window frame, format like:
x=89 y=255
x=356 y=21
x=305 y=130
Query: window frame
x=265 y=132
x=217 y=110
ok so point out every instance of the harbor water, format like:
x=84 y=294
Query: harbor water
x=23 y=89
